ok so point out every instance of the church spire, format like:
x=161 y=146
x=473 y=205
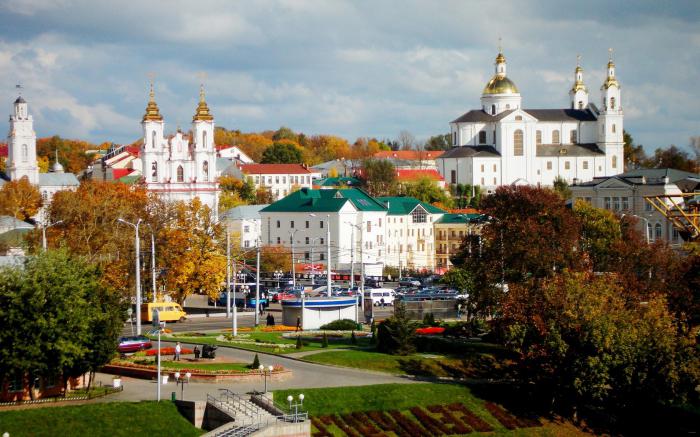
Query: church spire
x=152 y=111
x=611 y=80
x=202 y=112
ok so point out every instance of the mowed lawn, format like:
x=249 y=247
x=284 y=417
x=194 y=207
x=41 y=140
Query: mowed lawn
x=116 y=419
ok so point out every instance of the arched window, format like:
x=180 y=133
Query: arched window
x=538 y=137
x=25 y=153
x=493 y=109
x=614 y=161
x=205 y=171
x=180 y=174
x=154 y=172
x=612 y=102
x=518 y=118
x=204 y=139
x=657 y=231
x=153 y=139
x=518 y=143
x=482 y=137
x=555 y=137
x=580 y=104
x=650 y=234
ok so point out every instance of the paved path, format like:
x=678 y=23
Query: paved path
x=304 y=375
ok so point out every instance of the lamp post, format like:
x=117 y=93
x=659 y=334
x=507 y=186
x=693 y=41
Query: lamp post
x=362 y=261
x=262 y=370
x=329 y=282
x=43 y=232
x=181 y=382
x=278 y=274
x=228 y=271
x=153 y=262
x=646 y=224
x=137 y=250
x=294 y=275
x=296 y=406
x=257 y=284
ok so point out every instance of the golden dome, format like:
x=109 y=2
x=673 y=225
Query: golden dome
x=202 y=112
x=152 y=111
x=500 y=58
x=579 y=86
x=500 y=85
x=610 y=81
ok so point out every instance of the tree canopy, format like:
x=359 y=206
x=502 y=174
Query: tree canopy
x=379 y=177
x=20 y=199
x=282 y=153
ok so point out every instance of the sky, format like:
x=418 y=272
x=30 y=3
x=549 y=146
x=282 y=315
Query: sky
x=349 y=68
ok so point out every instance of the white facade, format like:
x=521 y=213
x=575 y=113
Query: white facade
x=182 y=167
x=234 y=153
x=502 y=143
x=280 y=179
x=245 y=223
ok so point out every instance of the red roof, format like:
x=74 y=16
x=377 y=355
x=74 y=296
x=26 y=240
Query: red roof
x=3 y=150
x=134 y=150
x=411 y=155
x=410 y=175
x=465 y=211
x=121 y=172
x=274 y=169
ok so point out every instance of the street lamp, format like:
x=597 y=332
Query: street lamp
x=43 y=232
x=153 y=262
x=278 y=274
x=137 y=250
x=646 y=224
x=296 y=406
x=312 y=241
x=181 y=382
x=262 y=370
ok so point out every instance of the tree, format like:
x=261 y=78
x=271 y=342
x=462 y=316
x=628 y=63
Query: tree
x=694 y=145
x=20 y=199
x=263 y=196
x=426 y=189
x=396 y=334
x=671 y=157
x=600 y=233
x=438 y=142
x=462 y=280
x=273 y=258
x=379 y=177
x=406 y=140
x=282 y=153
x=74 y=155
x=284 y=133
x=562 y=187
x=634 y=155
x=581 y=343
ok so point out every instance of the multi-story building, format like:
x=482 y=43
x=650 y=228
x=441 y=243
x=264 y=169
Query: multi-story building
x=501 y=143
x=280 y=179
x=244 y=223
x=624 y=194
x=450 y=231
x=409 y=236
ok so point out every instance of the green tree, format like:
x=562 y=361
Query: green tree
x=282 y=153
x=427 y=190
x=438 y=142
x=379 y=177
x=396 y=334
x=284 y=133
x=462 y=280
x=562 y=187
x=600 y=231
x=671 y=157
x=634 y=154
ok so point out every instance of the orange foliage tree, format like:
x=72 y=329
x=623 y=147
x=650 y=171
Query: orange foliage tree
x=73 y=154
x=20 y=199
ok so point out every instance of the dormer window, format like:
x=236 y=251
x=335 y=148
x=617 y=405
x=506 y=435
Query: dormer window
x=493 y=109
x=518 y=118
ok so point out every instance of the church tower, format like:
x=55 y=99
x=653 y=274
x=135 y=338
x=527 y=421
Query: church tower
x=610 y=128
x=579 y=92
x=21 y=144
x=153 y=151
x=500 y=93
x=204 y=149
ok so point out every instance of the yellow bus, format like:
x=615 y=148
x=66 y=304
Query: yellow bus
x=167 y=312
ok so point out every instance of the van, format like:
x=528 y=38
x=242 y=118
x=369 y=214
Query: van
x=167 y=312
x=377 y=294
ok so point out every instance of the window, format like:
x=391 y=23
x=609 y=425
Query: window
x=494 y=181
x=418 y=215
x=277 y=179
x=612 y=102
x=549 y=165
x=154 y=172
x=507 y=106
x=580 y=104
x=518 y=143
x=322 y=256
x=246 y=229
x=322 y=241
x=482 y=168
x=291 y=224
x=279 y=240
x=306 y=240
x=607 y=202
x=614 y=161
x=676 y=235
x=650 y=234
x=482 y=181
x=246 y=243
x=205 y=171
x=647 y=206
x=585 y=165
x=482 y=137
x=453 y=176
x=180 y=174
x=380 y=222
x=616 y=203
x=204 y=139
x=613 y=128
x=625 y=203
x=518 y=118
x=494 y=168
x=493 y=109
x=257 y=179
x=269 y=180
x=278 y=226
x=277 y=194
x=369 y=226
x=538 y=137
x=555 y=137
x=567 y=165
x=284 y=179
x=657 y=230
x=306 y=256
x=153 y=140
x=572 y=136
x=307 y=224
x=454 y=138
x=321 y=224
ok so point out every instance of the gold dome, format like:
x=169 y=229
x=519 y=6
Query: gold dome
x=500 y=85
x=610 y=81
x=579 y=86
x=500 y=58
x=152 y=111
x=202 y=112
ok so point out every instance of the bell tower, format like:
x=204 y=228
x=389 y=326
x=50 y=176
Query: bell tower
x=153 y=150
x=579 y=92
x=21 y=144
x=610 y=128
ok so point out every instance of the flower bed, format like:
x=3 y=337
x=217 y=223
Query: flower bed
x=168 y=351
x=432 y=330
x=318 y=334
x=471 y=419
x=250 y=342
x=275 y=328
x=183 y=370
x=506 y=419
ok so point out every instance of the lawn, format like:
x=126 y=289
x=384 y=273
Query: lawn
x=337 y=403
x=175 y=365
x=112 y=419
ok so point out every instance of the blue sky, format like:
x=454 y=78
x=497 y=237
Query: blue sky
x=360 y=68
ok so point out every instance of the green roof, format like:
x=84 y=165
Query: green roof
x=338 y=182
x=458 y=218
x=308 y=200
x=404 y=205
x=129 y=179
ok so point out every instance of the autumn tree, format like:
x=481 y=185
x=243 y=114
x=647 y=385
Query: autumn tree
x=235 y=192
x=20 y=199
x=273 y=258
x=406 y=140
x=426 y=189
x=561 y=187
x=600 y=235
x=634 y=154
x=379 y=177
x=284 y=133
x=438 y=142
x=671 y=157
x=282 y=153
x=322 y=148
x=74 y=155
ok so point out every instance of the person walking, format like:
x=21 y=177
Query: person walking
x=298 y=324
x=178 y=350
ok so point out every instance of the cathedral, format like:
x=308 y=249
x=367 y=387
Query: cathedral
x=22 y=159
x=182 y=166
x=501 y=143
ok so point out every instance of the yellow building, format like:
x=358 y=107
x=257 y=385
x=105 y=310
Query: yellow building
x=450 y=231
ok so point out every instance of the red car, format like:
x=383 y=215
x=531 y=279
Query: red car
x=134 y=344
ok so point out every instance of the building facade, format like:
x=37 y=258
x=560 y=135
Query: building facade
x=244 y=224
x=450 y=231
x=501 y=143
x=280 y=179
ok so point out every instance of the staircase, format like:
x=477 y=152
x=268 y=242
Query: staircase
x=246 y=417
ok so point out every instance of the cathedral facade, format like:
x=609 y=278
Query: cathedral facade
x=182 y=166
x=502 y=143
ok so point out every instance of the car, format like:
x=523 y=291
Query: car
x=134 y=344
x=372 y=282
x=409 y=282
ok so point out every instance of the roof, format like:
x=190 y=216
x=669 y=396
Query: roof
x=121 y=172
x=459 y=218
x=243 y=212
x=274 y=169
x=410 y=174
x=9 y=222
x=588 y=149
x=58 y=179
x=308 y=200
x=130 y=179
x=227 y=167
x=472 y=152
x=479 y=115
x=405 y=205
x=412 y=155
x=652 y=176
x=4 y=151
x=338 y=182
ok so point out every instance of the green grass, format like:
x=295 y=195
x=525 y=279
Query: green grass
x=174 y=365
x=361 y=360
x=112 y=419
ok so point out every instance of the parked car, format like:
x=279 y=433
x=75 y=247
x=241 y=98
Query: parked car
x=374 y=283
x=409 y=282
x=167 y=312
x=134 y=344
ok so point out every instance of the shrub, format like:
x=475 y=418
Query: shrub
x=353 y=339
x=324 y=341
x=299 y=344
x=429 y=319
x=395 y=335
x=256 y=362
x=340 y=325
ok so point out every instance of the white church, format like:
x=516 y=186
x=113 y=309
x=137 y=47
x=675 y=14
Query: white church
x=22 y=159
x=182 y=166
x=501 y=143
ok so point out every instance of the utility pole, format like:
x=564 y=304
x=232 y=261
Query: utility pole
x=257 y=286
x=294 y=276
x=153 y=265
x=328 y=261
x=228 y=271
x=234 y=323
x=352 y=257
x=137 y=250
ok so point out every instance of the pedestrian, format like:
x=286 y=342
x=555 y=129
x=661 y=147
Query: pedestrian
x=381 y=301
x=262 y=308
x=459 y=310
x=196 y=353
x=298 y=324
x=272 y=320
x=268 y=320
x=178 y=349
